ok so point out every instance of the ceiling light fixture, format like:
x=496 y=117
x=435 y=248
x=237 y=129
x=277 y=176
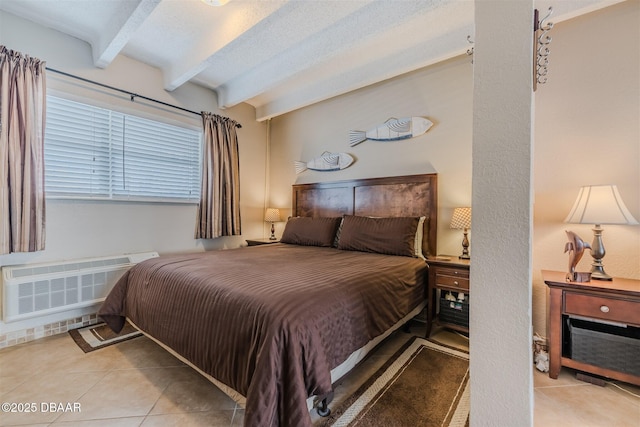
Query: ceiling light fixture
x=215 y=2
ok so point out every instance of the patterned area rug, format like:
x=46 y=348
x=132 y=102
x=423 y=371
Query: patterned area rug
x=93 y=337
x=423 y=384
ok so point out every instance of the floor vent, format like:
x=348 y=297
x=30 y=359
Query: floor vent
x=41 y=289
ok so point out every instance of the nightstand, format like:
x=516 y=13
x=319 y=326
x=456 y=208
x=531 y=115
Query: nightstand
x=448 y=280
x=257 y=242
x=594 y=326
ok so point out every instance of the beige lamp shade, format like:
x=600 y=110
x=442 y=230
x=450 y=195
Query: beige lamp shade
x=461 y=218
x=272 y=215
x=600 y=204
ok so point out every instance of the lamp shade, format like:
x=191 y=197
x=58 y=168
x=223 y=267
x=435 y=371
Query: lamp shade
x=461 y=218
x=272 y=215
x=600 y=204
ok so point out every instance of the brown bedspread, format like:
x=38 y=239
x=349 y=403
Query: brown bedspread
x=269 y=321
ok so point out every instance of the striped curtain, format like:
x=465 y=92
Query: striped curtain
x=22 y=123
x=219 y=208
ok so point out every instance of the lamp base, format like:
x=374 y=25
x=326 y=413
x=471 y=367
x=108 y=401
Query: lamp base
x=597 y=253
x=465 y=246
x=598 y=273
x=273 y=233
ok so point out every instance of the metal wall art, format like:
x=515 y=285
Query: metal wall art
x=392 y=130
x=470 y=50
x=326 y=162
x=541 y=41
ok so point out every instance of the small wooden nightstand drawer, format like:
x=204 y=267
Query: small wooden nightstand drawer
x=461 y=283
x=452 y=277
x=452 y=271
x=616 y=310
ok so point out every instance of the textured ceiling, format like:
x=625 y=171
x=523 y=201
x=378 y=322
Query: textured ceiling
x=276 y=55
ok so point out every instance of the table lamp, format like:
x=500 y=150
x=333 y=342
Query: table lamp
x=461 y=220
x=599 y=204
x=272 y=215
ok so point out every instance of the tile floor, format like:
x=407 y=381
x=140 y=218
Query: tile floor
x=137 y=383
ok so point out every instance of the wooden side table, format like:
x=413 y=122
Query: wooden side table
x=257 y=242
x=616 y=302
x=447 y=273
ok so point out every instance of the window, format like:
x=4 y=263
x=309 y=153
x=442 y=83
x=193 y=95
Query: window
x=103 y=154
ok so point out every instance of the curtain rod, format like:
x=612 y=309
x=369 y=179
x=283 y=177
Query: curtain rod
x=131 y=94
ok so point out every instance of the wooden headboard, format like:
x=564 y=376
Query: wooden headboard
x=411 y=195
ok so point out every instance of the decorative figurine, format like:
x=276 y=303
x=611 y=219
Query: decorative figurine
x=576 y=246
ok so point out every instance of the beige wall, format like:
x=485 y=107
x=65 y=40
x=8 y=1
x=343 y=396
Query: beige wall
x=500 y=277
x=441 y=92
x=587 y=131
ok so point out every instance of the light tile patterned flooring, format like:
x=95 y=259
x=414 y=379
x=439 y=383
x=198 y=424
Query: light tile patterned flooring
x=137 y=383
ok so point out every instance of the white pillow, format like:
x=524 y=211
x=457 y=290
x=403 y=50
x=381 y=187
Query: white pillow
x=418 y=242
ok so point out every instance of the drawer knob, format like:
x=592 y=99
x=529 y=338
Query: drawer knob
x=604 y=309
x=455 y=282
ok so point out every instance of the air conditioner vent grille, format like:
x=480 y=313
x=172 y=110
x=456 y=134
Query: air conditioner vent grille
x=43 y=270
x=37 y=290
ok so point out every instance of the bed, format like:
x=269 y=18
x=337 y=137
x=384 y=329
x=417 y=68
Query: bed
x=275 y=325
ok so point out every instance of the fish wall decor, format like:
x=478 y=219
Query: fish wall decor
x=325 y=162
x=392 y=130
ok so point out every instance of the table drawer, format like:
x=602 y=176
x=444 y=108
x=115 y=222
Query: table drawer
x=460 y=281
x=615 y=310
x=452 y=271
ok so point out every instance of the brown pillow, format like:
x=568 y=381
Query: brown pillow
x=391 y=236
x=309 y=231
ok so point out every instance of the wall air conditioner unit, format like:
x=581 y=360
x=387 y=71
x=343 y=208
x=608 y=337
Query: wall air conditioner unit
x=40 y=289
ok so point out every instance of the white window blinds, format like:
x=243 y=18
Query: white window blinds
x=98 y=153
